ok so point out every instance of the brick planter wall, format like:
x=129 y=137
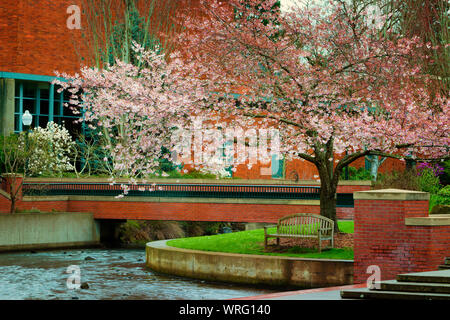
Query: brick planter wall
x=10 y=180
x=393 y=231
x=345 y=213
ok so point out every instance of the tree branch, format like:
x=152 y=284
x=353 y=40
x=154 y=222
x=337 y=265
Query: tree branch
x=287 y=121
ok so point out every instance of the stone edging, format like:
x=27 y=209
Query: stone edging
x=5 y=194
x=433 y=220
x=391 y=194
x=206 y=181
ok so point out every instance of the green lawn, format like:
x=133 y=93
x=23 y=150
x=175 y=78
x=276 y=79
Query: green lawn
x=346 y=226
x=252 y=242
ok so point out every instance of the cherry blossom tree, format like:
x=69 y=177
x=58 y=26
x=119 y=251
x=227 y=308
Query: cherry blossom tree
x=325 y=76
x=135 y=108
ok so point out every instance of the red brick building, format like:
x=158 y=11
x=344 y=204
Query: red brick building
x=35 y=41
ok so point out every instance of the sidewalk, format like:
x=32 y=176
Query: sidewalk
x=330 y=293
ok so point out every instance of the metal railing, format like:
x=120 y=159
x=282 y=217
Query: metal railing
x=183 y=191
x=174 y=190
x=345 y=200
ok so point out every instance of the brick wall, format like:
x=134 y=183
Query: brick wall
x=136 y=210
x=202 y=211
x=345 y=213
x=5 y=204
x=304 y=170
x=383 y=238
x=191 y=211
x=265 y=212
x=34 y=37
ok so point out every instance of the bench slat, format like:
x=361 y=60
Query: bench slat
x=303 y=226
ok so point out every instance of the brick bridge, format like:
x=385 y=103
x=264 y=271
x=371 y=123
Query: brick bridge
x=393 y=230
x=182 y=200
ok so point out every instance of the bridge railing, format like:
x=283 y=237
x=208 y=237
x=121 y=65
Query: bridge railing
x=183 y=190
x=173 y=190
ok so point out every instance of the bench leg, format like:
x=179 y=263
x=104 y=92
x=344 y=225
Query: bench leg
x=265 y=242
x=278 y=241
x=320 y=244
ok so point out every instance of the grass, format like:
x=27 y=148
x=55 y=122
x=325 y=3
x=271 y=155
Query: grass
x=346 y=226
x=252 y=242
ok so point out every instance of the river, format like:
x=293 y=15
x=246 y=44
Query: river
x=109 y=273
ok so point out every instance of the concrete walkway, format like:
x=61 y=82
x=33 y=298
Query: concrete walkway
x=331 y=293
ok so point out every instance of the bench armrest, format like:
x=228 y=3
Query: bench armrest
x=320 y=230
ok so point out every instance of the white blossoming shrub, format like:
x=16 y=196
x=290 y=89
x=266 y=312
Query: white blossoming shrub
x=52 y=149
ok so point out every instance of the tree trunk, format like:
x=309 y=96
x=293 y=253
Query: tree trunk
x=12 y=209
x=375 y=163
x=328 y=202
x=328 y=187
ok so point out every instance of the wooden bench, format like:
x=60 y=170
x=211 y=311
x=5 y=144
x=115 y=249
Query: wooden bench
x=302 y=225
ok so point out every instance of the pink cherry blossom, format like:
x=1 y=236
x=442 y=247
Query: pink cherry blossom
x=323 y=76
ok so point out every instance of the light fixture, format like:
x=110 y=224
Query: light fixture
x=27 y=118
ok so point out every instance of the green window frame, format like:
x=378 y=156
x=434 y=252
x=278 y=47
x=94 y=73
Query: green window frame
x=277 y=166
x=44 y=103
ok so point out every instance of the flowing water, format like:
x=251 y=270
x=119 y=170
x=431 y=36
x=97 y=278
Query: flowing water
x=109 y=273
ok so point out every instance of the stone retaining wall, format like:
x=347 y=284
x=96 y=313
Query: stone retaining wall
x=21 y=231
x=248 y=269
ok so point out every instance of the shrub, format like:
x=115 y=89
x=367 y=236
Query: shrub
x=428 y=180
x=440 y=202
x=2 y=156
x=356 y=174
x=436 y=199
x=198 y=175
x=407 y=180
x=436 y=169
x=52 y=149
x=14 y=157
x=134 y=231
x=13 y=154
x=186 y=175
x=440 y=209
x=91 y=155
x=445 y=191
x=445 y=176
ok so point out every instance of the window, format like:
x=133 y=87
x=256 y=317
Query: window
x=45 y=104
x=277 y=167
